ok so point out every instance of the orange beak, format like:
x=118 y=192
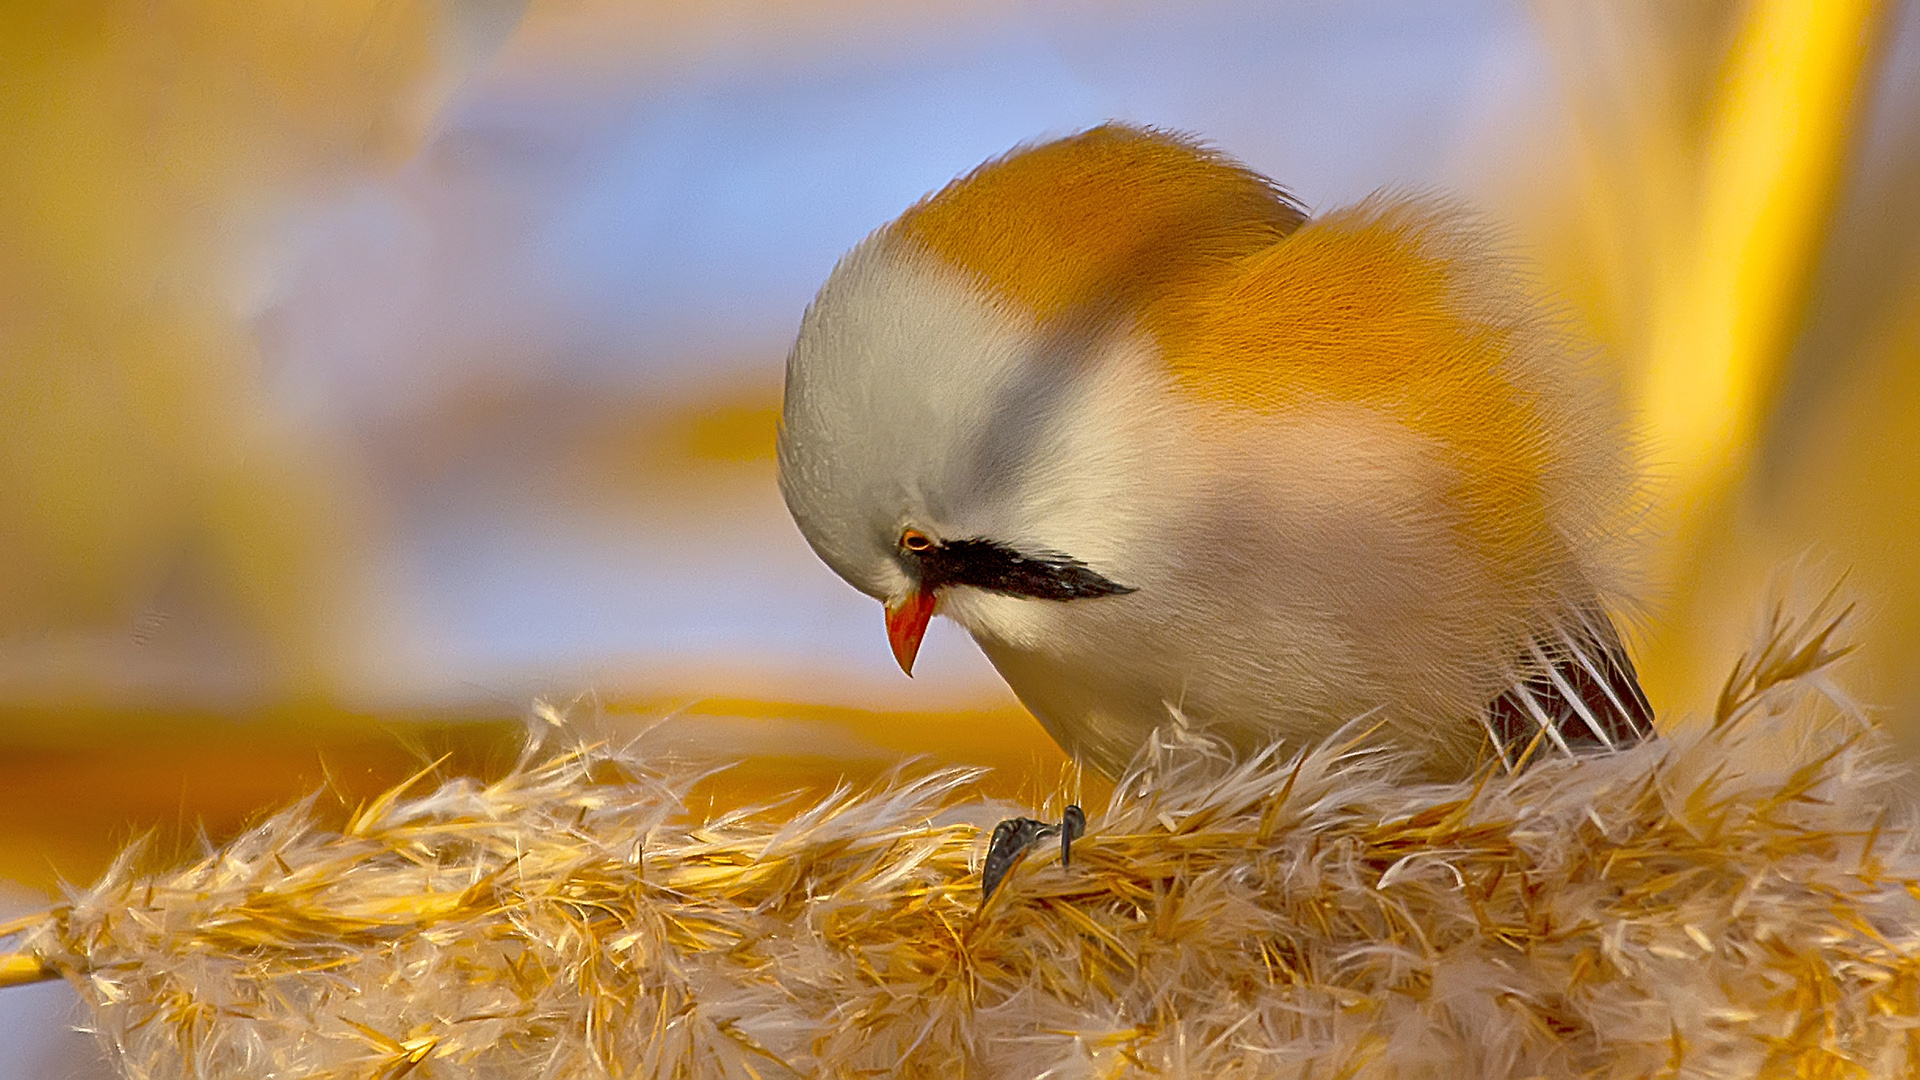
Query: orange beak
x=906 y=625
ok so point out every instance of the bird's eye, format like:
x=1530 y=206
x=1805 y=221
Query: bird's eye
x=916 y=541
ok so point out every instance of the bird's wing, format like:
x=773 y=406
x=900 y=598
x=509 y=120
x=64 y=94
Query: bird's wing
x=1580 y=694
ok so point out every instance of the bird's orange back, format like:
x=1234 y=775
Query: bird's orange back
x=1116 y=219
x=1391 y=304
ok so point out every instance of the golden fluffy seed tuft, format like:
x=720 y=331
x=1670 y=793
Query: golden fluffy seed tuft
x=1701 y=899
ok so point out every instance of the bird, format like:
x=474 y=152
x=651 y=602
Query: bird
x=1172 y=451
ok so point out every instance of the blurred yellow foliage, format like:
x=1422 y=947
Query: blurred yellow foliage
x=1772 y=163
x=139 y=136
x=734 y=432
x=1715 y=145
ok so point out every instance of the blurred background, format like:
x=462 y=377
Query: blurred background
x=372 y=368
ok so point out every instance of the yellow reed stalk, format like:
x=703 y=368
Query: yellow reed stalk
x=1724 y=316
x=19 y=970
x=1769 y=177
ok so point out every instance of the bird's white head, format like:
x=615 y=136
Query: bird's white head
x=961 y=417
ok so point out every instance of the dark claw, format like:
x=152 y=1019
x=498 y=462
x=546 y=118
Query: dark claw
x=1012 y=838
x=1073 y=826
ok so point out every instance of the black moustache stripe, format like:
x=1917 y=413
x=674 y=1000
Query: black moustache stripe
x=985 y=564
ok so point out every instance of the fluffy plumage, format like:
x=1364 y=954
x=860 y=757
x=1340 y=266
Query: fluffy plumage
x=1338 y=468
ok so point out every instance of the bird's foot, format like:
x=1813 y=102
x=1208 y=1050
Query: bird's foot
x=1012 y=838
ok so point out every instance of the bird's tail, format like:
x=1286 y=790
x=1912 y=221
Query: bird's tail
x=1579 y=694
